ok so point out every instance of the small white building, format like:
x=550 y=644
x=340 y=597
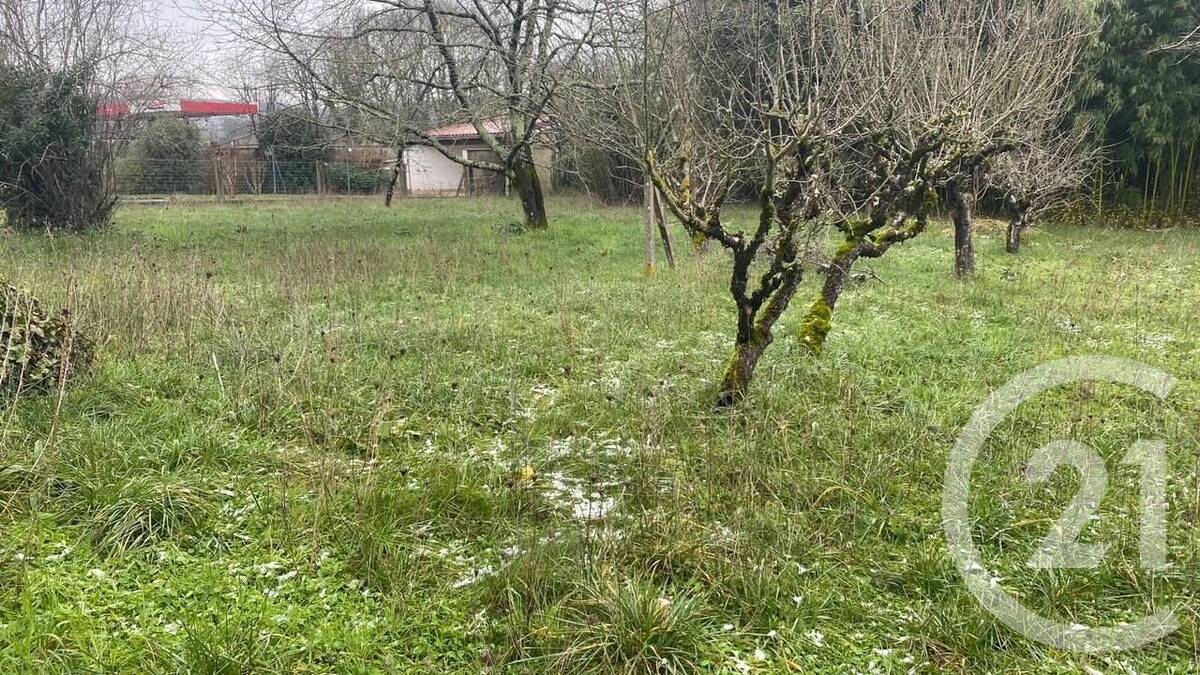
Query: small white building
x=429 y=172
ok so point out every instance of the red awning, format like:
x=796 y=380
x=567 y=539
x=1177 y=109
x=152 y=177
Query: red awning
x=216 y=108
x=112 y=111
x=185 y=108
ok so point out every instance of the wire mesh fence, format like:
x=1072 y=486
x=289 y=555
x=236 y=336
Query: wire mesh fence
x=234 y=176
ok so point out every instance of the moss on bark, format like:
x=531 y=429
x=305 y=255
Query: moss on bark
x=817 y=325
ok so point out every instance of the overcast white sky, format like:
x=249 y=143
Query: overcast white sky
x=200 y=38
x=178 y=11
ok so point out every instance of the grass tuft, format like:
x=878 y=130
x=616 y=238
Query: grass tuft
x=633 y=627
x=144 y=510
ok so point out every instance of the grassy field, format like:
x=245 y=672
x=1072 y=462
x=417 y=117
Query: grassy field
x=341 y=438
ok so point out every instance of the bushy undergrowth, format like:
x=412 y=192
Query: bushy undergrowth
x=348 y=439
x=38 y=350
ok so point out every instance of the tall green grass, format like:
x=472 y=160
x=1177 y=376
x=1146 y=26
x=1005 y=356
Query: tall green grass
x=342 y=438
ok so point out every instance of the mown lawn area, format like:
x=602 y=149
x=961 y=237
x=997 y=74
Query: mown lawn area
x=339 y=438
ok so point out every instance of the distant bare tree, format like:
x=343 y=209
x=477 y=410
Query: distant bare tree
x=128 y=54
x=1044 y=175
x=273 y=83
x=396 y=66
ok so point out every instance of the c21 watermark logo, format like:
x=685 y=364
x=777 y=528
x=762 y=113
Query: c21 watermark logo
x=1061 y=548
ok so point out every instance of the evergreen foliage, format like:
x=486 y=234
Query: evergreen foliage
x=165 y=158
x=1146 y=101
x=53 y=168
x=294 y=141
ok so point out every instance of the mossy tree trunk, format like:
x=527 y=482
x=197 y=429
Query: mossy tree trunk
x=748 y=350
x=529 y=189
x=871 y=238
x=759 y=310
x=756 y=322
x=819 y=321
x=962 y=205
x=785 y=214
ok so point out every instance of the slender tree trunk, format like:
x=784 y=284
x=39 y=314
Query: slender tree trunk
x=1187 y=176
x=1146 y=191
x=1016 y=227
x=1154 y=194
x=529 y=190
x=752 y=342
x=962 y=203
x=664 y=231
x=649 y=242
x=1173 y=180
x=398 y=173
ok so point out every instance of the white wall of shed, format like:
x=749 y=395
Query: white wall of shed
x=431 y=172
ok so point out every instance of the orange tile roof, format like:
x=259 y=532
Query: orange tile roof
x=466 y=130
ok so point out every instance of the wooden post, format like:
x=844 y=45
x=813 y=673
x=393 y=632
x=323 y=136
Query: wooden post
x=660 y=212
x=403 y=173
x=320 y=179
x=651 y=243
x=218 y=180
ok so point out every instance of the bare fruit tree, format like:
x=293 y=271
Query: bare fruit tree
x=394 y=68
x=714 y=102
x=1008 y=66
x=789 y=104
